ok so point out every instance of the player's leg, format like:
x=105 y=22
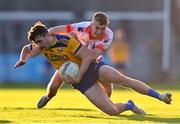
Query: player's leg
x=55 y=82
x=99 y=98
x=107 y=87
x=52 y=89
x=107 y=73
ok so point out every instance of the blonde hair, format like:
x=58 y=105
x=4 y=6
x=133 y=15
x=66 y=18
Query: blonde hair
x=101 y=17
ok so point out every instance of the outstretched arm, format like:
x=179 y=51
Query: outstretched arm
x=25 y=54
x=27 y=51
x=57 y=29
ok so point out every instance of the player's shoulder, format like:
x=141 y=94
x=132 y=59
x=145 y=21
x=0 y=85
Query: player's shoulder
x=63 y=36
x=109 y=33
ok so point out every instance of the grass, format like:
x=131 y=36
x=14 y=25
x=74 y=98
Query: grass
x=70 y=106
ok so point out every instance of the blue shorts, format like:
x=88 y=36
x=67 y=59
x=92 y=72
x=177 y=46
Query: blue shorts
x=90 y=77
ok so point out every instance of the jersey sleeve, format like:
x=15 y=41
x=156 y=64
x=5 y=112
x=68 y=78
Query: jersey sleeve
x=74 y=45
x=69 y=28
x=31 y=46
x=103 y=45
x=76 y=27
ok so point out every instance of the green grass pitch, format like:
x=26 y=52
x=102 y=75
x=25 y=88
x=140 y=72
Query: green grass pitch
x=70 y=106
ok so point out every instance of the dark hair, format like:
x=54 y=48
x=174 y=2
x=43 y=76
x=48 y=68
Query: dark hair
x=101 y=17
x=37 y=29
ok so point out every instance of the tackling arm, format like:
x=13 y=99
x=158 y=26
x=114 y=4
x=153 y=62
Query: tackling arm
x=96 y=53
x=57 y=29
x=61 y=28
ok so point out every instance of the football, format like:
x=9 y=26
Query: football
x=70 y=69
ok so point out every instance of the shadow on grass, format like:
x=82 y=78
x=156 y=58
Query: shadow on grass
x=69 y=109
x=30 y=85
x=151 y=118
x=19 y=108
x=5 y=121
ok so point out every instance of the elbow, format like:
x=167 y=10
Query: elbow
x=25 y=48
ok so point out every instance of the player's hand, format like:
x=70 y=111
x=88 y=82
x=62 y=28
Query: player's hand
x=70 y=80
x=35 y=51
x=19 y=63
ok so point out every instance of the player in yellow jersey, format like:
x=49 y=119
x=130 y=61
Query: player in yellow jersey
x=95 y=35
x=60 y=48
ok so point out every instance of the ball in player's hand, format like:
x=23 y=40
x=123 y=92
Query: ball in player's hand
x=70 y=69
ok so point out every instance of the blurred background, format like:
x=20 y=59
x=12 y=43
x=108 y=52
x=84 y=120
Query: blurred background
x=146 y=36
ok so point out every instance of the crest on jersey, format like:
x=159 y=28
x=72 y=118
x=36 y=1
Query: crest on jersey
x=105 y=41
x=80 y=29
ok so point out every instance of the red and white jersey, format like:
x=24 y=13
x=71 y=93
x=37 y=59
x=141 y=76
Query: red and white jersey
x=83 y=31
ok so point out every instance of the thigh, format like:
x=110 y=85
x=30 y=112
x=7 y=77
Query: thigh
x=109 y=74
x=99 y=98
x=56 y=80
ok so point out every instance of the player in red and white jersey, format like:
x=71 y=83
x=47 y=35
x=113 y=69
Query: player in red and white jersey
x=101 y=39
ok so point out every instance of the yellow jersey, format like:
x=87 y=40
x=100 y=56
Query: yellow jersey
x=62 y=50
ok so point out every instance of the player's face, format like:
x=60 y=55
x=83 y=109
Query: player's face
x=97 y=29
x=42 y=41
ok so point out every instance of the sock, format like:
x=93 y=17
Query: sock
x=154 y=94
x=129 y=105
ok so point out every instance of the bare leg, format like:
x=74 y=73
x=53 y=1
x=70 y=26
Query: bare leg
x=55 y=82
x=99 y=98
x=107 y=73
x=52 y=89
x=114 y=76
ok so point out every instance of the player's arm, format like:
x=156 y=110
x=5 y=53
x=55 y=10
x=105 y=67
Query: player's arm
x=58 y=29
x=85 y=54
x=96 y=53
x=62 y=28
x=25 y=53
x=87 y=57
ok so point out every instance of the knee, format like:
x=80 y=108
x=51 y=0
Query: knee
x=113 y=112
